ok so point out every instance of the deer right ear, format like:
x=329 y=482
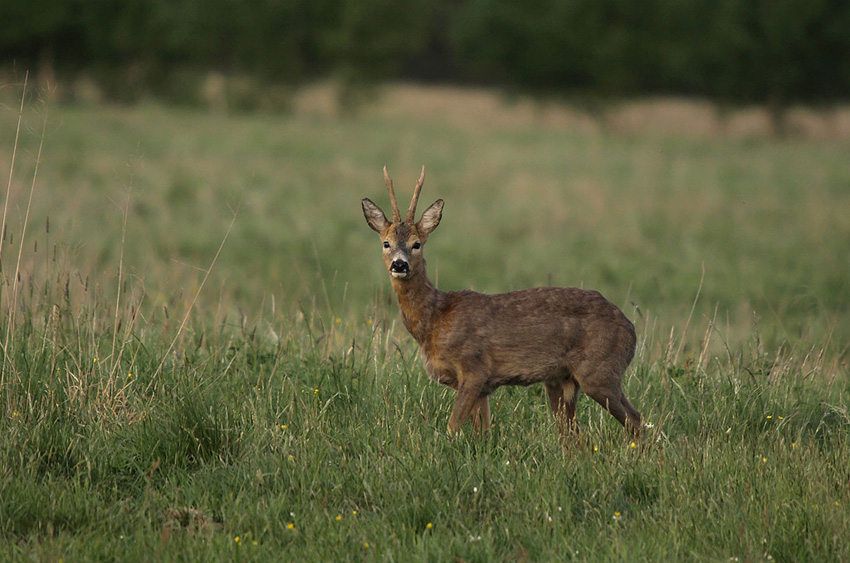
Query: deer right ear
x=374 y=216
x=430 y=219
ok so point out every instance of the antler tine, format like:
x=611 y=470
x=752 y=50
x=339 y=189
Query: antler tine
x=412 y=211
x=396 y=214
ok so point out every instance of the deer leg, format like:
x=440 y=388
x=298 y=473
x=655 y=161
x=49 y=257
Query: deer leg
x=632 y=417
x=481 y=414
x=570 y=398
x=555 y=391
x=562 y=401
x=616 y=403
x=467 y=398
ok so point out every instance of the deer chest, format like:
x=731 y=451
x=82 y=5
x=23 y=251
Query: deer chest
x=438 y=369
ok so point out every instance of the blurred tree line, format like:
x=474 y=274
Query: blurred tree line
x=736 y=51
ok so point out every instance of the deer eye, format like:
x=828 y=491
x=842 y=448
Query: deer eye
x=386 y=244
x=416 y=246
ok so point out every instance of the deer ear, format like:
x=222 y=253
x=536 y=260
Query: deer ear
x=374 y=216
x=430 y=219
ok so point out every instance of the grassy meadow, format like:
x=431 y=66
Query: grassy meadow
x=202 y=358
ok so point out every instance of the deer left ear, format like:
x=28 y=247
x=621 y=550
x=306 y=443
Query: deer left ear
x=430 y=219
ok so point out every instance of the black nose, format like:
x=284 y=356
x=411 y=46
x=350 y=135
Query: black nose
x=399 y=266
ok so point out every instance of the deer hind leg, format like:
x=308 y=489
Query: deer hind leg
x=613 y=400
x=562 y=401
x=481 y=414
x=632 y=417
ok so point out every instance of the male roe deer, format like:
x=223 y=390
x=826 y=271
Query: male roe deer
x=569 y=339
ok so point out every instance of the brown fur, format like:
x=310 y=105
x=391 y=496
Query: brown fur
x=569 y=339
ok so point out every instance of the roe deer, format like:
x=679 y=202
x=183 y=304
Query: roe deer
x=569 y=339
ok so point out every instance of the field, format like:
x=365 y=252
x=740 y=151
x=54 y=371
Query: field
x=203 y=359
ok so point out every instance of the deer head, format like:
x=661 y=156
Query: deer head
x=403 y=240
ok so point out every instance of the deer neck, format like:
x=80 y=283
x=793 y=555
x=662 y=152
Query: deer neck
x=418 y=300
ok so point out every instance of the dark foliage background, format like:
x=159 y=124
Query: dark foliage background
x=768 y=51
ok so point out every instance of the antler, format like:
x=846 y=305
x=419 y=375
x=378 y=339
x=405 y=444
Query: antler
x=412 y=211
x=396 y=214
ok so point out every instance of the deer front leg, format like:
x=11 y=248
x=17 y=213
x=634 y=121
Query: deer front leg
x=468 y=396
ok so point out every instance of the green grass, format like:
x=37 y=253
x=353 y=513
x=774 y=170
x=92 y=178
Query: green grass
x=291 y=410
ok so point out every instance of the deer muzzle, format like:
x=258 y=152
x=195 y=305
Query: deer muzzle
x=399 y=268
